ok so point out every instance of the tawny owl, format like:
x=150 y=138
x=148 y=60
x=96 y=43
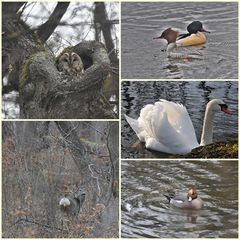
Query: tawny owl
x=71 y=64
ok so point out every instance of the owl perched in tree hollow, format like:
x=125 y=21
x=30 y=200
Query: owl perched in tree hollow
x=71 y=64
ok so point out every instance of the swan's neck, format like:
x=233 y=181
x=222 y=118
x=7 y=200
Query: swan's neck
x=207 y=131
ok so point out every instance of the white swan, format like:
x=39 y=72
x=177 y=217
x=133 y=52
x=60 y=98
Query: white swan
x=166 y=126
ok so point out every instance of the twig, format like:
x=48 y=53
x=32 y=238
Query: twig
x=90 y=169
x=34 y=222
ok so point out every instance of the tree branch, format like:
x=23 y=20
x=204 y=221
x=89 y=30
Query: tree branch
x=46 y=29
x=100 y=17
x=11 y=7
x=74 y=143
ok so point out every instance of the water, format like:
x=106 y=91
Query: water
x=149 y=213
x=194 y=95
x=142 y=56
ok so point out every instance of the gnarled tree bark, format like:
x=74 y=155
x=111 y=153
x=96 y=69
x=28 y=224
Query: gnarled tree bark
x=46 y=93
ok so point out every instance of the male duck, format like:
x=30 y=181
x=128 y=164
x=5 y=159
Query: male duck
x=195 y=36
x=185 y=201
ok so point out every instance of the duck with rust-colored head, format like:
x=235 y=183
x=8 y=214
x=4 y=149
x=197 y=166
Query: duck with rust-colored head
x=170 y=36
x=189 y=200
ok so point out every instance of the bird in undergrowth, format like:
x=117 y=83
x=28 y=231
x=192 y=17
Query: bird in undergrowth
x=70 y=204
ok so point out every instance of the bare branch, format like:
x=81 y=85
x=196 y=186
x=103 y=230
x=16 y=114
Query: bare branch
x=25 y=219
x=46 y=29
x=100 y=17
x=75 y=145
x=92 y=175
x=11 y=7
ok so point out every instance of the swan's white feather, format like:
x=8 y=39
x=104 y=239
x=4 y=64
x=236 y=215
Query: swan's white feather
x=165 y=126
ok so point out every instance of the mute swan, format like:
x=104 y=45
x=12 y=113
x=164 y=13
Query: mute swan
x=166 y=126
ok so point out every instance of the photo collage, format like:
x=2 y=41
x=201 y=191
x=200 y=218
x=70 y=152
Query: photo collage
x=120 y=119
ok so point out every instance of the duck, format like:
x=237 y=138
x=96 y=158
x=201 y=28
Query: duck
x=195 y=36
x=171 y=36
x=189 y=200
x=166 y=126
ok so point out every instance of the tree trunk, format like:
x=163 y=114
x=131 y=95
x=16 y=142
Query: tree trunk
x=100 y=18
x=18 y=41
x=101 y=22
x=113 y=147
x=47 y=93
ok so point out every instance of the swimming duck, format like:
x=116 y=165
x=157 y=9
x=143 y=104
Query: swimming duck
x=166 y=126
x=171 y=36
x=188 y=200
x=195 y=36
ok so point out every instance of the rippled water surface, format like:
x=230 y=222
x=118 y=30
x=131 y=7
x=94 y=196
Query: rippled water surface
x=194 y=95
x=147 y=213
x=142 y=56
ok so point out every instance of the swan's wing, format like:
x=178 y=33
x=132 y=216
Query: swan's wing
x=155 y=129
x=136 y=128
x=165 y=132
x=169 y=128
x=165 y=126
x=178 y=118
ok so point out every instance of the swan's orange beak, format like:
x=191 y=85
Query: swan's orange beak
x=226 y=110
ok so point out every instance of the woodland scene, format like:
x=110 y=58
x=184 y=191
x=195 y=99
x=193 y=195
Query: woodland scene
x=60 y=179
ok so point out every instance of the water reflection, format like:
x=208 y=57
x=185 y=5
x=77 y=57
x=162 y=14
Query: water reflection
x=194 y=95
x=143 y=57
x=147 y=213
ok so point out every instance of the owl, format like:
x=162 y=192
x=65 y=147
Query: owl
x=71 y=64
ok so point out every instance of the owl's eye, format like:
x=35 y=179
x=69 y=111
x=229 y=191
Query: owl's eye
x=65 y=60
x=74 y=60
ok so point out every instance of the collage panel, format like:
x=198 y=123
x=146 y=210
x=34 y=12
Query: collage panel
x=179 y=199
x=179 y=40
x=150 y=152
x=179 y=119
x=60 y=179
x=60 y=60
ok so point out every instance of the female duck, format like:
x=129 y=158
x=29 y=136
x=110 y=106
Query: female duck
x=166 y=126
x=189 y=200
